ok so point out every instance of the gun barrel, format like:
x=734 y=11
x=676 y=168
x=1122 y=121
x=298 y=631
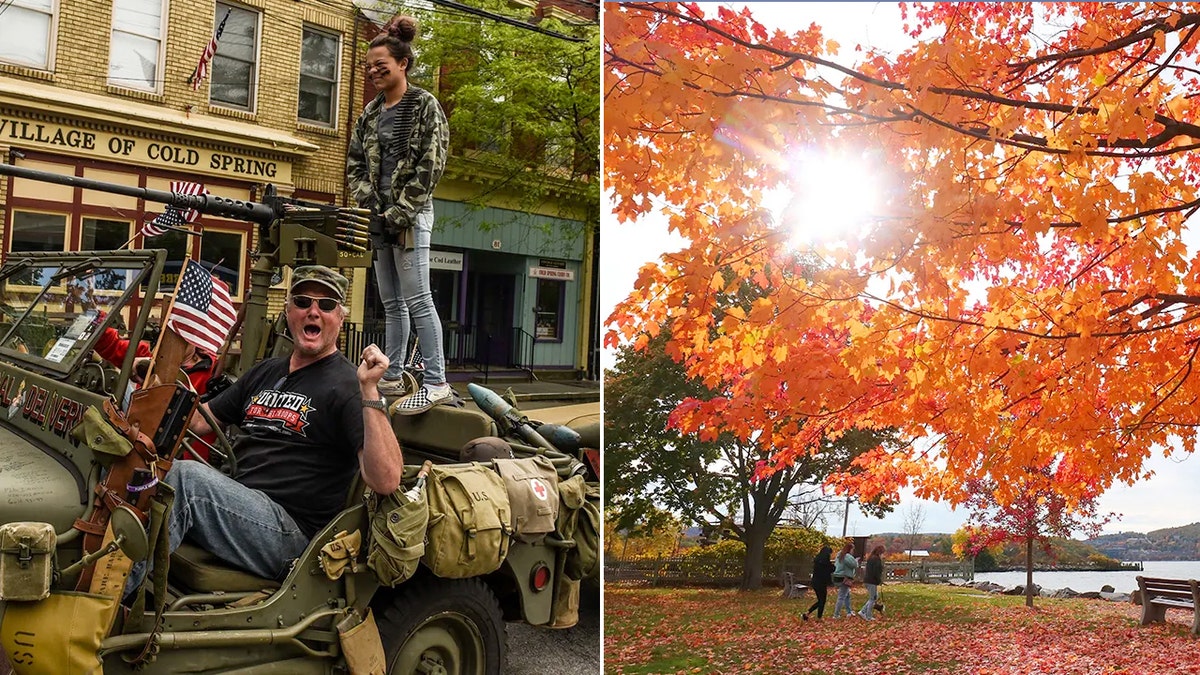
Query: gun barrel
x=207 y=204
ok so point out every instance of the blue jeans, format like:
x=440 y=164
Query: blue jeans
x=403 y=278
x=843 y=600
x=872 y=597
x=241 y=526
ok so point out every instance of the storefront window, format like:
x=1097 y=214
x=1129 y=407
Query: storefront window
x=25 y=32
x=176 y=244
x=104 y=235
x=38 y=231
x=548 y=311
x=233 y=66
x=223 y=249
x=318 y=76
x=134 y=57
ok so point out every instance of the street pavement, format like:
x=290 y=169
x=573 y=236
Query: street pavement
x=570 y=651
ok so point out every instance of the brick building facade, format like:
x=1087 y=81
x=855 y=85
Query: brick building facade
x=102 y=90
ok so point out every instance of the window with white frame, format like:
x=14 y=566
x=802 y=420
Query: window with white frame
x=135 y=57
x=27 y=32
x=236 y=61
x=318 y=76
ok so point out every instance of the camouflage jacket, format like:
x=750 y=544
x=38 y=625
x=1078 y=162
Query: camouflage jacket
x=416 y=176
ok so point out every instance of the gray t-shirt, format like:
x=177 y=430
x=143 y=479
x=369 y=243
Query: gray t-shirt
x=387 y=152
x=394 y=127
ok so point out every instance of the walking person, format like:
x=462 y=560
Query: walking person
x=872 y=579
x=844 y=571
x=822 y=579
x=397 y=155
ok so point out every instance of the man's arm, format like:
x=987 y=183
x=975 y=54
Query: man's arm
x=199 y=423
x=381 y=460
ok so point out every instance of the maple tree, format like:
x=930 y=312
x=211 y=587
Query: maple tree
x=708 y=478
x=1024 y=289
x=1035 y=510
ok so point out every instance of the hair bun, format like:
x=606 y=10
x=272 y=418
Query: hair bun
x=403 y=29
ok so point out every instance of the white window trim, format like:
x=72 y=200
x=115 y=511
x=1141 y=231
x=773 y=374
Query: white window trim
x=52 y=39
x=337 y=76
x=252 y=108
x=161 y=67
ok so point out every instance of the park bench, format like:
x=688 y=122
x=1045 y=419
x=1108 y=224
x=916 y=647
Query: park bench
x=792 y=589
x=1159 y=595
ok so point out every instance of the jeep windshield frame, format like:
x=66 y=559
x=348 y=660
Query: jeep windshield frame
x=54 y=305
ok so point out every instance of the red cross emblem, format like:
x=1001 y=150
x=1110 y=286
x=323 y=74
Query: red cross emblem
x=539 y=489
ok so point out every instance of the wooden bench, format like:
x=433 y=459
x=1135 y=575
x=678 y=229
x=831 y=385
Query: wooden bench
x=791 y=589
x=1159 y=595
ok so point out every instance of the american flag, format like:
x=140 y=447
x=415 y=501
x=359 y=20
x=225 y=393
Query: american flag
x=203 y=314
x=174 y=217
x=202 y=67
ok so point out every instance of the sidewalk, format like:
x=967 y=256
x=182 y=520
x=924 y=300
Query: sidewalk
x=568 y=391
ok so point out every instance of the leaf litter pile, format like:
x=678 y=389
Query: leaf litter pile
x=927 y=630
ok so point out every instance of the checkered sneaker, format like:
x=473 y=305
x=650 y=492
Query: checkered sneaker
x=424 y=399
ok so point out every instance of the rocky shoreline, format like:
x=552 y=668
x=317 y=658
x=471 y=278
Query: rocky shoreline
x=1106 y=592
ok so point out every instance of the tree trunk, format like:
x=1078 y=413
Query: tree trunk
x=752 y=570
x=1029 y=571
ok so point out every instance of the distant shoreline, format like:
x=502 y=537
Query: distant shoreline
x=1126 y=567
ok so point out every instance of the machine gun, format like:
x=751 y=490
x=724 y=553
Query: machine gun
x=290 y=232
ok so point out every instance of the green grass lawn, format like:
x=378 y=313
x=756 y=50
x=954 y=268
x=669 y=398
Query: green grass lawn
x=926 y=629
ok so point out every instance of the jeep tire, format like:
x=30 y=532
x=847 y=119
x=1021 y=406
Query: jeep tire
x=434 y=626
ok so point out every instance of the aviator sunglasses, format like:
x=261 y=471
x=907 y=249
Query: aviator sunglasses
x=324 y=304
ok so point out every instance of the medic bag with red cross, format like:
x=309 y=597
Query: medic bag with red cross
x=532 y=485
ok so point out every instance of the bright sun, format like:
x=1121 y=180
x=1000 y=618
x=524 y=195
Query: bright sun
x=828 y=197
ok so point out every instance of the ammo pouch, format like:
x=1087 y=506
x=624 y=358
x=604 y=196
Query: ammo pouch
x=60 y=635
x=340 y=554
x=26 y=560
x=579 y=521
x=397 y=536
x=532 y=484
x=469 y=521
x=107 y=443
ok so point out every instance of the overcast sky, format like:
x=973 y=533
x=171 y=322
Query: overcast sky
x=1163 y=501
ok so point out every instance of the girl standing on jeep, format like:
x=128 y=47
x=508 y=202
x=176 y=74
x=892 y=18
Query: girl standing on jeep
x=397 y=155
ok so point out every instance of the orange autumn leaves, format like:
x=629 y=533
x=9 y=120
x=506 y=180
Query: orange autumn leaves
x=1026 y=290
x=722 y=631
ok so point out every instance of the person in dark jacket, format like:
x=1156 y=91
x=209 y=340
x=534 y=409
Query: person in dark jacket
x=822 y=579
x=872 y=579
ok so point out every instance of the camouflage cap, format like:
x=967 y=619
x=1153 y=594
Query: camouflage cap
x=320 y=274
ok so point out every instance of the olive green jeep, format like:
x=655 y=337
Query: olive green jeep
x=62 y=429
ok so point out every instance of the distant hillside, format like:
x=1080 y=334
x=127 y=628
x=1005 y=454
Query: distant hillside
x=1172 y=543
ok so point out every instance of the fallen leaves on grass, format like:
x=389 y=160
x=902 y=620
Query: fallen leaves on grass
x=927 y=631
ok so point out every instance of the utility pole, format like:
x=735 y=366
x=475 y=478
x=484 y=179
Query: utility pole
x=846 y=517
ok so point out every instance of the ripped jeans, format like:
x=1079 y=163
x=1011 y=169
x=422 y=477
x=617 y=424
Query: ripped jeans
x=403 y=278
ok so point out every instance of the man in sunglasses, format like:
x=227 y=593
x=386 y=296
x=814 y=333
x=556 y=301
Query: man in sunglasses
x=309 y=421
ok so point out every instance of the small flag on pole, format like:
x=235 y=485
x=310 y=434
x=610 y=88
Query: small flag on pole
x=202 y=314
x=202 y=68
x=174 y=217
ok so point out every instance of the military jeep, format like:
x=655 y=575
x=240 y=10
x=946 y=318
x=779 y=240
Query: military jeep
x=205 y=617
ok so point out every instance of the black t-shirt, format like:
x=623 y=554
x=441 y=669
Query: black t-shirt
x=301 y=433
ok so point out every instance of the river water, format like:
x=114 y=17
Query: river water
x=1122 y=581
